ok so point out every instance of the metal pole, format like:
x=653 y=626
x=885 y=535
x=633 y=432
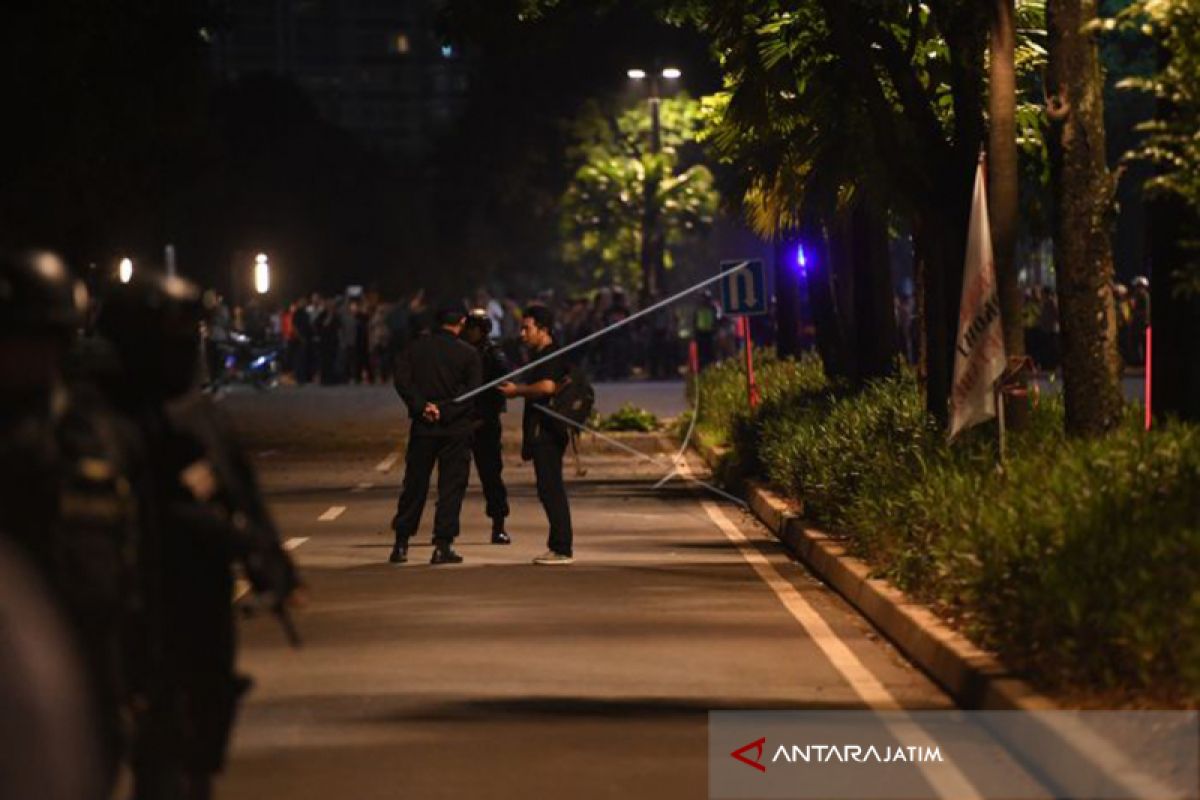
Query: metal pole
x=651 y=241
x=1149 y=414
x=999 y=392
x=580 y=342
x=751 y=385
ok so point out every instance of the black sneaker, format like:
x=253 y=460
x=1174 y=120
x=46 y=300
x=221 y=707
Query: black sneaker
x=444 y=554
x=399 y=554
x=500 y=537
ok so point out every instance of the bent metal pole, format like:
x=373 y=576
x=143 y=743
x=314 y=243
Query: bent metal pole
x=601 y=332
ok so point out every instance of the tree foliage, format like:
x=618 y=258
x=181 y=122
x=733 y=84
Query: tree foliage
x=604 y=205
x=1171 y=141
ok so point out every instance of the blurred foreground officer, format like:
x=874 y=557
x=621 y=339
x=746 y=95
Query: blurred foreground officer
x=65 y=485
x=543 y=439
x=430 y=373
x=47 y=751
x=486 y=447
x=202 y=512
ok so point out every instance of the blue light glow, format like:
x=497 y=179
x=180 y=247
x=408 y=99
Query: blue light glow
x=801 y=259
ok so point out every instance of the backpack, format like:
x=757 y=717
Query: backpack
x=574 y=399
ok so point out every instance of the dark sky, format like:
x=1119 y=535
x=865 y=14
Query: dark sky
x=126 y=138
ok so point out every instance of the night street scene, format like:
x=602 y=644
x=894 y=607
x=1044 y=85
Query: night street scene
x=591 y=399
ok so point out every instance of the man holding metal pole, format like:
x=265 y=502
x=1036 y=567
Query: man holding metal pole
x=543 y=439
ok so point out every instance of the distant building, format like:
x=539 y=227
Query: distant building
x=374 y=67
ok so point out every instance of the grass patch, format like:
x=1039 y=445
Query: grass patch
x=628 y=418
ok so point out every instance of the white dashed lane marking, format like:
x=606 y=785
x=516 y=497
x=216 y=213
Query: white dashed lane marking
x=389 y=462
x=362 y=487
x=331 y=513
x=294 y=542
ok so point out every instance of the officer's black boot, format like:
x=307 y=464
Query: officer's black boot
x=443 y=553
x=399 y=553
x=498 y=534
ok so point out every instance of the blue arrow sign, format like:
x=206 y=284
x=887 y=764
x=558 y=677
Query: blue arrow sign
x=744 y=292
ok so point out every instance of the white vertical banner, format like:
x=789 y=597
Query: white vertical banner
x=979 y=346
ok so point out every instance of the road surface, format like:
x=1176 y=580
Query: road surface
x=502 y=679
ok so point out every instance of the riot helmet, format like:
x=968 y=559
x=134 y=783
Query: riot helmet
x=478 y=326
x=41 y=308
x=153 y=322
x=38 y=295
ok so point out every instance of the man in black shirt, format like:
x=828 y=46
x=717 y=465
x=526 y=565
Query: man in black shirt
x=543 y=438
x=430 y=373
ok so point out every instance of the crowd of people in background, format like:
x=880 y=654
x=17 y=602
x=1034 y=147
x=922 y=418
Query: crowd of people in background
x=353 y=337
x=1041 y=323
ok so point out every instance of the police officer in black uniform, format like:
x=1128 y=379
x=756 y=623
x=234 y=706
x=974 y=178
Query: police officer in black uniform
x=430 y=372
x=485 y=445
x=65 y=484
x=202 y=512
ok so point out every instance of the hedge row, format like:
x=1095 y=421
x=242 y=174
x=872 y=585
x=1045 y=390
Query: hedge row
x=1079 y=563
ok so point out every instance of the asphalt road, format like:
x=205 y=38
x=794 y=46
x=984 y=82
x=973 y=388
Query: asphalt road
x=498 y=678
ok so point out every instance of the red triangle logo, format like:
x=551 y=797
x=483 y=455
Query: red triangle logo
x=757 y=747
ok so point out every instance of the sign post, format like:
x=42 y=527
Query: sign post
x=744 y=294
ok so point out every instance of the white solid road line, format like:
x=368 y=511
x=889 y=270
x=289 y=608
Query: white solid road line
x=389 y=462
x=947 y=780
x=331 y=513
x=872 y=692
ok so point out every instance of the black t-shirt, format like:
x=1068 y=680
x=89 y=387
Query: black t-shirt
x=537 y=427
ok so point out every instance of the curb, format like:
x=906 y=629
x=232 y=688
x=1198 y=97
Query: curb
x=975 y=678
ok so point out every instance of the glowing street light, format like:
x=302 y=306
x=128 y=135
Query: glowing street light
x=262 y=274
x=652 y=255
x=125 y=270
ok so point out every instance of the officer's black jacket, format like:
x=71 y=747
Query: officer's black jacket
x=495 y=365
x=436 y=369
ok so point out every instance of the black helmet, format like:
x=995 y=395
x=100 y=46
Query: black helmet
x=38 y=294
x=153 y=322
x=478 y=318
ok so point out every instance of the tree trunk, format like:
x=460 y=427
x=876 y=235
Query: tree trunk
x=787 y=298
x=826 y=324
x=1082 y=246
x=1175 y=317
x=920 y=277
x=874 y=301
x=1002 y=184
x=938 y=270
x=842 y=276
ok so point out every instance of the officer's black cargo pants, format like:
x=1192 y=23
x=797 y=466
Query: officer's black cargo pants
x=452 y=454
x=489 y=463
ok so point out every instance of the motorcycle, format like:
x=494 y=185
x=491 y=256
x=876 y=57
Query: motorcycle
x=248 y=363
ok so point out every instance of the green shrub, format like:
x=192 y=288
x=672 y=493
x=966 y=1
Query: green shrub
x=1080 y=562
x=628 y=418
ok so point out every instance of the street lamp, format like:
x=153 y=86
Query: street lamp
x=262 y=274
x=652 y=239
x=125 y=270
